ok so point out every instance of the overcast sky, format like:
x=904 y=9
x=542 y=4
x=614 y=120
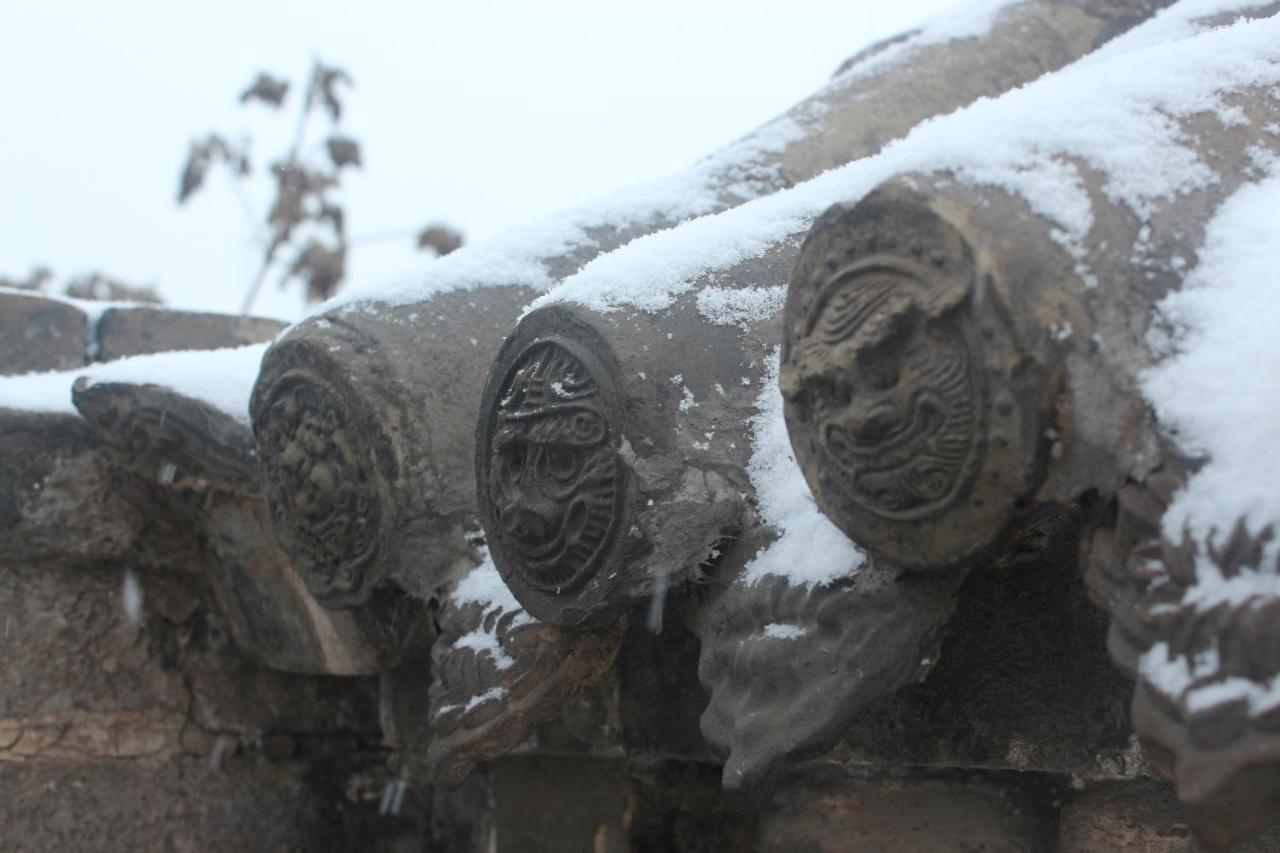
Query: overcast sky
x=480 y=114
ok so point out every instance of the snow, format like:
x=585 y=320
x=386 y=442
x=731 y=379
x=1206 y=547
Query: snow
x=809 y=548
x=223 y=378
x=490 y=695
x=39 y=392
x=737 y=172
x=968 y=20
x=687 y=401
x=1123 y=125
x=1218 y=395
x=485 y=642
x=729 y=306
x=520 y=256
x=1178 y=21
x=1174 y=675
x=779 y=631
x=483 y=585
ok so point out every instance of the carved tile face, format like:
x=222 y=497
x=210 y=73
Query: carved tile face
x=889 y=393
x=917 y=419
x=553 y=481
x=325 y=507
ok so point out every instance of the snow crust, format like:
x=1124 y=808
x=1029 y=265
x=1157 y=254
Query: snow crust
x=809 y=548
x=223 y=378
x=1123 y=124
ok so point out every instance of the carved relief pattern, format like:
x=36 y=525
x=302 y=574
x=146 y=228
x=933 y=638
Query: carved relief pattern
x=1207 y=704
x=158 y=428
x=883 y=380
x=790 y=666
x=497 y=674
x=554 y=471
x=325 y=505
x=915 y=413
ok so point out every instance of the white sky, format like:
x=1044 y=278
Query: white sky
x=480 y=114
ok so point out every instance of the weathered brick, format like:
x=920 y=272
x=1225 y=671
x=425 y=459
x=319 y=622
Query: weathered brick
x=40 y=334
x=138 y=331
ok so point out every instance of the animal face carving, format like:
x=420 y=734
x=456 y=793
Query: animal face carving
x=325 y=508
x=554 y=473
x=916 y=410
x=882 y=381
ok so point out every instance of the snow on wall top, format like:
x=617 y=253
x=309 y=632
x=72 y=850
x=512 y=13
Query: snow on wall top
x=1116 y=116
x=223 y=378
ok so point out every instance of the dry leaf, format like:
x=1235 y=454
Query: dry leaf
x=266 y=88
x=322 y=268
x=95 y=285
x=324 y=87
x=193 y=173
x=441 y=238
x=343 y=151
